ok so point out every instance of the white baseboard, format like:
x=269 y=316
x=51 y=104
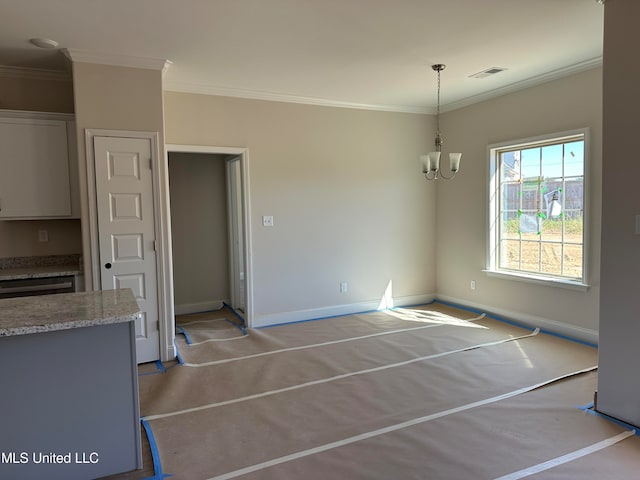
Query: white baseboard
x=572 y=331
x=335 y=310
x=187 y=308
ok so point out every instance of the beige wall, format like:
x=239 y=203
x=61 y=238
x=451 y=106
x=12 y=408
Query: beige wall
x=566 y=104
x=345 y=191
x=199 y=233
x=33 y=94
x=618 y=384
x=20 y=238
x=113 y=97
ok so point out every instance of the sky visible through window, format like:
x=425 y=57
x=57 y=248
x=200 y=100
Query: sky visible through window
x=549 y=160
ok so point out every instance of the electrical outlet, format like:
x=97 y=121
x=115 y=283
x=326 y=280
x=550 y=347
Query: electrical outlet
x=473 y=284
x=343 y=287
x=43 y=236
x=267 y=221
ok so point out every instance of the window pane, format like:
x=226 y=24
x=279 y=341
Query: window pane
x=552 y=161
x=530 y=260
x=531 y=194
x=530 y=224
x=573 y=226
x=510 y=254
x=511 y=197
x=573 y=260
x=510 y=166
x=552 y=229
x=551 y=258
x=510 y=226
x=574 y=194
x=574 y=159
x=530 y=159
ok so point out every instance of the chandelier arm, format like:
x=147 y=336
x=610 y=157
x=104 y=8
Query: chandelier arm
x=447 y=178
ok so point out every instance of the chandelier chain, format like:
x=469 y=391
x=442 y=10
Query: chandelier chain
x=438 y=107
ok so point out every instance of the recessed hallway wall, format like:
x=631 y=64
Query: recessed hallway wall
x=197 y=190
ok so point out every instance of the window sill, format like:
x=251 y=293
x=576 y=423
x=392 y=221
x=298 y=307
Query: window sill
x=540 y=280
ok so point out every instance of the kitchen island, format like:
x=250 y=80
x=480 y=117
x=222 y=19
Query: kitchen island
x=69 y=388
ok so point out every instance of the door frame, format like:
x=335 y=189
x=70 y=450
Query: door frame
x=235 y=227
x=164 y=273
x=243 y=154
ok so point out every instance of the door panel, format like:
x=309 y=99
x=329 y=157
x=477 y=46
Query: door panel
x=126 y=230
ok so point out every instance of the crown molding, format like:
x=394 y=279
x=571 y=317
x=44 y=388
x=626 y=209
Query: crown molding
x=530 y=82
x=278 y=97
x=28 y=114
x=85 y=56
x=7 y=71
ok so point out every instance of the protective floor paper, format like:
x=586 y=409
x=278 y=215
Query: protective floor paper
x=431 y=392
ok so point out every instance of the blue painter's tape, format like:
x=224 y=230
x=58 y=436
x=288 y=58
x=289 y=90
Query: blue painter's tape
x=155 y=454
x=160 y=366
x=517 y=324
x=590 y=410
x=233 y=310
x=239 y=327
x=184 y=332
x=318 y=318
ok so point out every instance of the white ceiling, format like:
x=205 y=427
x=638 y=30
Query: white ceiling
x=362 y=53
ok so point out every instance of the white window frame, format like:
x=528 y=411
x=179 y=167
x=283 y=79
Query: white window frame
x=493 y=184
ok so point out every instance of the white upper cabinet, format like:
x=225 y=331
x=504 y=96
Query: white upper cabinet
x=36 y=175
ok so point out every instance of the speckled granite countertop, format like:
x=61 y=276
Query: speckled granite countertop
x=39 y=272
x=46 y=313
x=18 y=268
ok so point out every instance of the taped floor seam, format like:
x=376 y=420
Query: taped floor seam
x=337 y=377
x=392 y=428
x=322 y=344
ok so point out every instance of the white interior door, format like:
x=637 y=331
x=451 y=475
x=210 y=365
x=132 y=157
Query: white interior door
x=126 y=230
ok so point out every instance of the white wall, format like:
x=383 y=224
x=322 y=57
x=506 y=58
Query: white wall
x=566 y=104
x=618 y=384
x=199 y=233
x=346 y=194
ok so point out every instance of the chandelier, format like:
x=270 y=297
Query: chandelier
x=431 y=162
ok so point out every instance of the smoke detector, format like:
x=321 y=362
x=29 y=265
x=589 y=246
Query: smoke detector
x=44 y=42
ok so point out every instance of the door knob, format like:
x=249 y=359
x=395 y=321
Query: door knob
x=107 y=265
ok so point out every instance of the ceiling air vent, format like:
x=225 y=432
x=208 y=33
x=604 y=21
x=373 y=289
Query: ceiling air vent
x=488 y=72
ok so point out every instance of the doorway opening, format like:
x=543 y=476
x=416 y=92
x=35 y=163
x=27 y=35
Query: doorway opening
x=208 y=201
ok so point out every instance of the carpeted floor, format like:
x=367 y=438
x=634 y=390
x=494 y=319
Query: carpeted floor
x=428 y=393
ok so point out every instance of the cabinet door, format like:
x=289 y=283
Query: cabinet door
x=34 y=168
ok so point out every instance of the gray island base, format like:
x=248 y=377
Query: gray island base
x=69 y=396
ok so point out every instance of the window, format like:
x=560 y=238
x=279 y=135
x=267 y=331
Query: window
x=537 y=209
